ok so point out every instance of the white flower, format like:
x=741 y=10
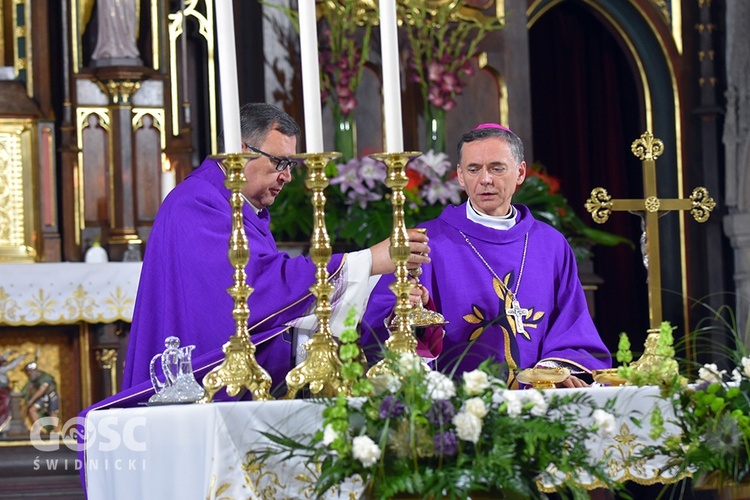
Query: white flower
x=439 y=386
x=746 y=366
x=365 y=450
x=409 y=362
x=468 y=426
x=515 y=405
x=329 y=435
x=710 y=373
x=385 y=382
x=536 y=398
x=736 y=375
x=476 y=407
x=605 y=422
x=355 y=403
x=476 y=382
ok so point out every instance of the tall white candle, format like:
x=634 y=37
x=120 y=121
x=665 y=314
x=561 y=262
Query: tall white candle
x=394 y=133
x=230 y=99
x=168 y=178
x=308 y=38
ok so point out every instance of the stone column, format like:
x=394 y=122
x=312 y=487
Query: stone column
x=737 y=146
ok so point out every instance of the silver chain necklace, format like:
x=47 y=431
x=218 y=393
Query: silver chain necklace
x=515 y=311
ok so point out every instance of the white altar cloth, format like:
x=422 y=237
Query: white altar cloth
x=206 y=451
x=67 y=293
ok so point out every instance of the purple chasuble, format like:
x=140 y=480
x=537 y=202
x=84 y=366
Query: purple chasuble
x=557 y=325
x=186 y=274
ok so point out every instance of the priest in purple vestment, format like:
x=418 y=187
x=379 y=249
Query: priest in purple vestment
x=507 y=284
x=186 y=271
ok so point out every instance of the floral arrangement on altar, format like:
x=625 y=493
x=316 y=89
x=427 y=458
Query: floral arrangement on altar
x=416 y=431
x=712 y=418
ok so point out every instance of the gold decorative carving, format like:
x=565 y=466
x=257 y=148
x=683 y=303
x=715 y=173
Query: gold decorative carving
x=239 y=368
x=321 y=370
x=401 y=340
x=107 y=359
x=119 y=91
x=19 y=227
x=157 y=114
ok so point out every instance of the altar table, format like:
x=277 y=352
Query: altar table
x=207 y=451
x=67 y=293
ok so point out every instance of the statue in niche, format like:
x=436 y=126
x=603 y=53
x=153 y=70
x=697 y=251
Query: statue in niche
x=41 y=397
x=117 y=32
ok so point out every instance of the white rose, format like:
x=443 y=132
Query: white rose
x=515 y=405
x=537 y=399
x=746 y=366
x=468 y=426
x=476 y=407
x=476 y=382
x=605 y=422
x=365 y=450
x=439 y=386
x=329 y=435
x=409 y=362
x=385 y=382
x=710 y=373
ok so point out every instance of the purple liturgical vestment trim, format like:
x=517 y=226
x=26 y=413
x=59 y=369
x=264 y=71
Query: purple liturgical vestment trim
x=557 y=325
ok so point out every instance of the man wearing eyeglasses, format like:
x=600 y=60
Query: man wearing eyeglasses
x=186 y=272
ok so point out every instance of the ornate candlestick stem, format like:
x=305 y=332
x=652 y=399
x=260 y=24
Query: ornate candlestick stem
x=239 y=368
x=401 y=338
x=321 y=370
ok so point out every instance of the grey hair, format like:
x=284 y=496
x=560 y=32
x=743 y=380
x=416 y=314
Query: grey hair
x=515 y=142
x=258 y=119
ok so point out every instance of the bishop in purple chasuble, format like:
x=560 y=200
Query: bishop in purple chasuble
x=473 y=271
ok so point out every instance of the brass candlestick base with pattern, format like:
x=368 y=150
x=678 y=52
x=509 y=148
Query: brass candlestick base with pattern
x=321 y=370
x=239 y=368
x=401 y=338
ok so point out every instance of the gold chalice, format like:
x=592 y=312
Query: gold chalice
x=542 y=377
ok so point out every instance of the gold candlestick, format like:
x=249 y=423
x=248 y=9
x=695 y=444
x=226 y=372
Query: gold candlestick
x=239 y=368
x=321 y=370
x=401 y=339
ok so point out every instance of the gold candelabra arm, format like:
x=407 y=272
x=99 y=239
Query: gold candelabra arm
x=401 y=339
x=321 y=370
x=239 y=368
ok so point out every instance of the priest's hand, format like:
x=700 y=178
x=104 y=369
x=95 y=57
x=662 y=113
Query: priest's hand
x=418 y=294
x=572 y=382
x=381 y=259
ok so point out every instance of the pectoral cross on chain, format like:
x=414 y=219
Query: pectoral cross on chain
x=518 y=313
x=647 y=148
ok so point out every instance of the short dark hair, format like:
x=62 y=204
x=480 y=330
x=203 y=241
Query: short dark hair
x=515 y=142
x=257 y=119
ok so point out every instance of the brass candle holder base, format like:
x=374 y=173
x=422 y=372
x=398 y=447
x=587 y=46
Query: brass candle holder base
x=321 y=371
x=401 y=338
x=543 y=378
x=239 y=368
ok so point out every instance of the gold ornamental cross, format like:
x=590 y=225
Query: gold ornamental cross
x=647 y=148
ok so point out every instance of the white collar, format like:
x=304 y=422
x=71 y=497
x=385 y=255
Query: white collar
x=499 y=222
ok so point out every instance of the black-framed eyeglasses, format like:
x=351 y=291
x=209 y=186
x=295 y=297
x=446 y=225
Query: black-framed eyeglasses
x=280 y=163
